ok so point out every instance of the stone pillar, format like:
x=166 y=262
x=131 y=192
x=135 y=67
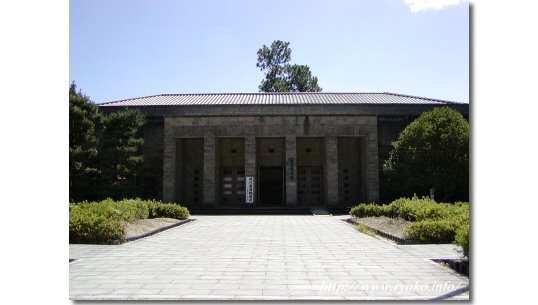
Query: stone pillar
x=250 y=161
x=169 y=163
x=331 y=157
x=372 y=168
x=209 y=170
x=291 y=170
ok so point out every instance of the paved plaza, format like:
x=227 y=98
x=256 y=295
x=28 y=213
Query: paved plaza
x=262 y=258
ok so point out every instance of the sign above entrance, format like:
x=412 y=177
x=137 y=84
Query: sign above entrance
x=249 y=191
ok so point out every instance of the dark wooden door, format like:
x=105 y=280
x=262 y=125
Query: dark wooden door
x=232 y=186
x=192 y=185
x=310 y=185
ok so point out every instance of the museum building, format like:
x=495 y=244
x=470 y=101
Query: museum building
x=271 y=150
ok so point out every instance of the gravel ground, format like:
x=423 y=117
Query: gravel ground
x=147 y=225
x=390 y=225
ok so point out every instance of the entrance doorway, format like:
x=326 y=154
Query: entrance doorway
x=271 y=185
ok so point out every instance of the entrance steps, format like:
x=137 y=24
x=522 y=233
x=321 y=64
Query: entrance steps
x=319 y=211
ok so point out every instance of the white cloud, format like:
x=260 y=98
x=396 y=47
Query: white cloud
x=422 y=5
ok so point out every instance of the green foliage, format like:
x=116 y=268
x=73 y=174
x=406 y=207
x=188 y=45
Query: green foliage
x=417 y=209
x=432 y=152
x=462 y=238
x=432 y=231
x=412 y=209
x=84 y=118
x=104 y=221
x=368 y=210
x=280 y=75
x=104 y=151
x=364 y=229
x=432 y=222
x=171 y=210
x=121 y=156
x=94 y=228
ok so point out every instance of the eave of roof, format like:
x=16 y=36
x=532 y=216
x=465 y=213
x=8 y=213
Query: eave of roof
x=279 y=98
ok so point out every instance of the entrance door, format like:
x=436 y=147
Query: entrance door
x=310 y=186
x=232 y=185
x=271 y=185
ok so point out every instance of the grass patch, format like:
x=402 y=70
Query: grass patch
x=364 y=229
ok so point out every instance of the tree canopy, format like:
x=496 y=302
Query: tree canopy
x=432 y=152
x=104 y=150
x=84 y=118
x=280 y=75
x=121 y=157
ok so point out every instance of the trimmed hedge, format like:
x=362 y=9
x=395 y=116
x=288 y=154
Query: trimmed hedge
x=171 y=210
x=432 y=222
x=368 y=210
x=432 y=231
x=104 y=221
x=94 y=229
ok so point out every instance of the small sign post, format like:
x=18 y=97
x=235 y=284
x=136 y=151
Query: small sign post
x=249 y=191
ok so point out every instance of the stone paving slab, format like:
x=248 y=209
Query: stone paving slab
x=261 y=258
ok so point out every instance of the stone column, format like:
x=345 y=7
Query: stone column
x=250 y=161
x=331 y=155
x=209 y=170
x=372 y=167
x=169 y=162
x=291 y=170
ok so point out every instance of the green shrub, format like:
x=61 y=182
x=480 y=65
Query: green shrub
x=432 y=231
x=104 y=221
x=85 y=227
x=416 y=209
x=367 y=210
x=171 y=210
x=126 y=210
x=462 y=238
x=432 y=151
x=432 y=222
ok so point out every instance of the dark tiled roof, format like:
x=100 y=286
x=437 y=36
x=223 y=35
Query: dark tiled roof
x=287 y=98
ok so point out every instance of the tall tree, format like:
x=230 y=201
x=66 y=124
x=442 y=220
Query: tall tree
x=84 y=118
x=280 y=75
x=120 y=152
x=432 y=152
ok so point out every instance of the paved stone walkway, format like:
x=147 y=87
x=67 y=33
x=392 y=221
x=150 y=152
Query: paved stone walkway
x=261 y=258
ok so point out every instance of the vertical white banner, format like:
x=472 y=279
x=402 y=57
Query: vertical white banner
x=249 y=191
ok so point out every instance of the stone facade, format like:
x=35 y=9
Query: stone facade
x=366 y=130
x=289 y=128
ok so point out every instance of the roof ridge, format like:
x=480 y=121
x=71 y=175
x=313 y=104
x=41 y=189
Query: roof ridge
x=273 y=98
x=260 y=93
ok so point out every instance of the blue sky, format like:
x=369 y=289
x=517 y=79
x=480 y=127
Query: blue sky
x=123 y=49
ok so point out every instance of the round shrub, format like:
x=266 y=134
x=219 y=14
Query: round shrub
x=431 y=152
